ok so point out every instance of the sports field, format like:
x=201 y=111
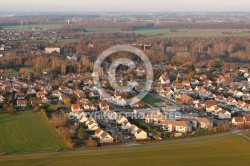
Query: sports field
x=229 y=150
x=27 y=132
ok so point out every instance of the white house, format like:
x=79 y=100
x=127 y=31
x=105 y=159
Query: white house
x=140 y=134
x=238 y=120
x=164 y=79
x=211 y=105
x=120 y=119
x=223 y=114
x=133 y=129
x=231 y=101
x=105 y=138
x=92 y=126
x=183 y=127
x=126 y=125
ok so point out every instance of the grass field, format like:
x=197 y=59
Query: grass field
x=167 y=33
x=247 y=134
x=151 y=100
x=9 y=72
x=230 y=150
x=27 y=132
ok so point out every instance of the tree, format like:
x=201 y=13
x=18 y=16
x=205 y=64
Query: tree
x=10 y=109
x=73 y=98
x=22 y=71
x=36 y=108
x=67 y=101
x=81 y=133
x=91 y=143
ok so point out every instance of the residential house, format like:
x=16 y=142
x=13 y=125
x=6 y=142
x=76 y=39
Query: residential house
x=120 y=119
x=92 y=126
x=223 y=114
x=220 y=99
x=36 y=102
x=22 y=103
x=200 y=105
x=89 y=107
x=111 y=114
x=238 y=120
x=98 y=132
x=231 y=101
x=185 y=99
x=103 y=105
x=105 y=138
x=140 y=134
x=247 y=119
x=176 y=126
x=178 y=87
x=182 y=126
x=164 y=79
x=56 y=93
x=154 y=117
x=31 y=91
x=204 y=123
x=45 y=100
x=133 y=129
x=169 y=93
x=76 y=108
x=126 y=125
x=210 y=105
x=20 y=95
x=40 y=94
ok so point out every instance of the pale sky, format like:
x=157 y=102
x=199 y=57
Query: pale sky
x=125 y=5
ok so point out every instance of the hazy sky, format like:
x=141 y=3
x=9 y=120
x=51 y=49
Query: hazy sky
x=125 y=5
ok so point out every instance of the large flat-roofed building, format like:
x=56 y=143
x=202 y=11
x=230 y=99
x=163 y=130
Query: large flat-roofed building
x=50 y=50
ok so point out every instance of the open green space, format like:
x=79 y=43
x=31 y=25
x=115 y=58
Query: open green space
x=230 y=150
x=9 y=72
x=27 y=132
x=151 y=100
x=247 y=134
x=168 y=33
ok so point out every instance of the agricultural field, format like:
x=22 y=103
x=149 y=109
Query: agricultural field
x=229 y=150
x=180 y=32
x=27 y=132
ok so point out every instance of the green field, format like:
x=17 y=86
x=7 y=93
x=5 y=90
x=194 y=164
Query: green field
x=151 y=100
x=27 y=132
x=230 y=150
x=9 y=72
x=247 y=134
x=167 y=33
